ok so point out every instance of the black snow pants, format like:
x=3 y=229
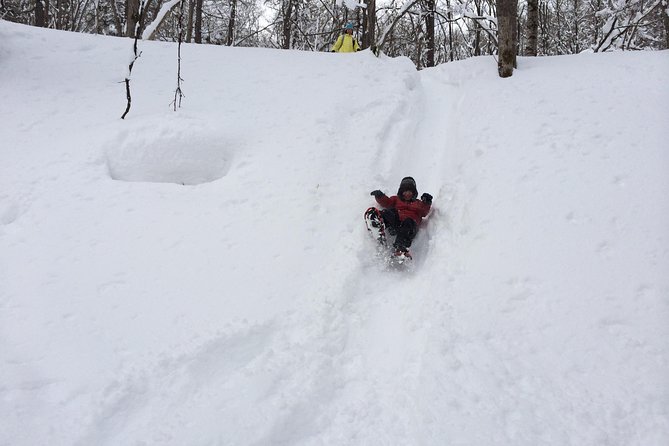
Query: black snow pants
x=406 y=229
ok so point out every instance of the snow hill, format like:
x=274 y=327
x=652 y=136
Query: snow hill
x=204 y=277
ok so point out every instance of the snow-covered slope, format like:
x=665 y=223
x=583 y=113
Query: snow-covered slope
x=204 y=276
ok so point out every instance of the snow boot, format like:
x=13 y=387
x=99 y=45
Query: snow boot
x=402 y=254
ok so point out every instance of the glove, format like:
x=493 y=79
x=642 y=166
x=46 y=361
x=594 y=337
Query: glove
x=426 y=198
x=377 y=193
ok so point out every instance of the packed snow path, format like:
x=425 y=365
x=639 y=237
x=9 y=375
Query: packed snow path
x=204 y=277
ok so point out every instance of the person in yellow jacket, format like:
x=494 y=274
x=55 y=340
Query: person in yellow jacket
x=346 y=43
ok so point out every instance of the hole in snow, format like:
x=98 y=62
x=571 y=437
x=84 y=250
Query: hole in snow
x=169 y=150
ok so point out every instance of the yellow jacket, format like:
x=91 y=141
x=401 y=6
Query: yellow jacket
x=346 y=44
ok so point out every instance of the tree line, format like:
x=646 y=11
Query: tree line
x=429 y=32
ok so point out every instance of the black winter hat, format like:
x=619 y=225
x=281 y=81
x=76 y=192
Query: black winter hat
x=408 y=183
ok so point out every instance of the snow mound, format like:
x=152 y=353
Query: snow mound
x=169 y=150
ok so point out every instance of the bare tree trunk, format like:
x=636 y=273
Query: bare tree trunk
x=231 y=23
x=198 y=21
x=595 y=22
x=189 y=28
x=544 y=26
x=507 y=21
x=58 y=14
x=132 y=17
x=369 y=34
x=558 y=25
x=98 y=22
x=429 y=32
x=420 y=38
x=665 y=16
x=576 y=48
x=287 y=22
x=40 y=15
x=532 y=27
x=477 y=27
x=450 y=31
x=46 y=13
x=295 y=25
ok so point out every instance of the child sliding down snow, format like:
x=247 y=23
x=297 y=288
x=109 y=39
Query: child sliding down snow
x=402 y=214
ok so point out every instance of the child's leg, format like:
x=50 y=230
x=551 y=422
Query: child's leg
x=405 y=233
x=391 y=218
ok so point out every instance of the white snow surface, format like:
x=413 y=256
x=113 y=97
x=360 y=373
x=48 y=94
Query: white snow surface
x=204 y=277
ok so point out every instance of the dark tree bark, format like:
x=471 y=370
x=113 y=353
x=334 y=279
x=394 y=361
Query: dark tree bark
x=40 y=14
x=231 y=23
x=47 y=11
x=450 y=33
x=429 y=32
x=132 y=17
x=98 y=14
x=576 y=47
x=477 y=28
x=594 y=24
x=369 y=25
x=532 y=27
x=544 y=24
x=507 y=22
x=295 y=23
x=189 y=28
x=558 y=25
x=198 y=21
x=287 y=23
x=665 y=19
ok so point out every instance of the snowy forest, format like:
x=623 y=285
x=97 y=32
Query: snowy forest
x=429 y=32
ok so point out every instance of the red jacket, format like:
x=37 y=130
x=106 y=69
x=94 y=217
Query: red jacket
x=414 y=209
